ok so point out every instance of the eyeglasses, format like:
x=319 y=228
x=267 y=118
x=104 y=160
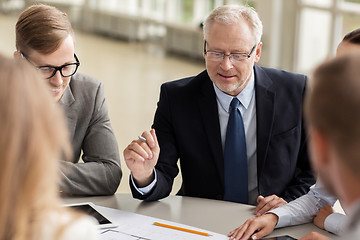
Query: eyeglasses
x=233 y=57
x=48 y=71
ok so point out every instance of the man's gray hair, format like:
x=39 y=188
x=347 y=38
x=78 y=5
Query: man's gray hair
x=232 y=14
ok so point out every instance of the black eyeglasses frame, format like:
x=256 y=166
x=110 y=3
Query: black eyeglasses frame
x=248 y=56
x=77 y=63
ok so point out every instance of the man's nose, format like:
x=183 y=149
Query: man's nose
x=226 y=63
x=56 y=80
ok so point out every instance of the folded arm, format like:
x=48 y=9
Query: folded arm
x=100 y=172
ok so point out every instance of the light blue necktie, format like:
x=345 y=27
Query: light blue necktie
x=235 y=158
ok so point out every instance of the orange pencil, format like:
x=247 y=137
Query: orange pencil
x=181 y=229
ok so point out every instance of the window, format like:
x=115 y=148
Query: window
x=322 y=25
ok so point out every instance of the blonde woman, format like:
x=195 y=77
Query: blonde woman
x=33 y=135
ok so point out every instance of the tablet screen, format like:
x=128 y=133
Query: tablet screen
x=287 y=237
x=86 y=208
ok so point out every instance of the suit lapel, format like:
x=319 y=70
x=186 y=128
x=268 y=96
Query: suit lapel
x=210 y=117
x=71 y=115
x=265 y=100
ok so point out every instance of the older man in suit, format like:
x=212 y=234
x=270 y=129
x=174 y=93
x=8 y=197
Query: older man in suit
x=44 y=37
x=236 y=127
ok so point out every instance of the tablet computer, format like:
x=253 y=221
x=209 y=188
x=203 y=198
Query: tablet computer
x=89 y=209
x=284 y=237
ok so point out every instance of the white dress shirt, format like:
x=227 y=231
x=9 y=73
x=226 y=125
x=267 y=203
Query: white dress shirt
x=351 y=227
x=305 y=208
x=146 y=189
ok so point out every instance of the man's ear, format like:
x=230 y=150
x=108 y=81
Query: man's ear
x=320 y=149
x=17 y=55
x=258 y=52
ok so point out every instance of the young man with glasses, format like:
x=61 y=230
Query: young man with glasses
x=44 y=38
x=234 y=104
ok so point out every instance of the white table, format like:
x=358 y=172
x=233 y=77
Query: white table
x=213 y=215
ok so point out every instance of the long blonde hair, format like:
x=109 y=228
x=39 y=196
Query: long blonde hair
x=33 y=135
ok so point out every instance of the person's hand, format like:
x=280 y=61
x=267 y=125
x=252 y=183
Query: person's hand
x=267 y=204
x=141 y=158
x=262 y=225
x=314 y=236
x=322 y=214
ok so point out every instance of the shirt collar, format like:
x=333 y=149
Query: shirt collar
x=244 y=96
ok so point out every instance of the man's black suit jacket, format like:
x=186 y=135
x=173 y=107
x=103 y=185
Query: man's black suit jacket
x=187 y=126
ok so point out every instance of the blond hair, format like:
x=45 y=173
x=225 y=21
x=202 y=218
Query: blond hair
x=333 y=106
x=233 y=14
x=42 y=28
x=33 y=136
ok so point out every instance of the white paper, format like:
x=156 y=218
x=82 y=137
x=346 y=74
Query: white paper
x=132 y=226
x=114 y=234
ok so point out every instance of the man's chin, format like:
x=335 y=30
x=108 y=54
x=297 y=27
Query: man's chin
x=228 y=89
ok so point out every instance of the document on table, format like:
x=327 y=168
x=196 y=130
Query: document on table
x=132 y=226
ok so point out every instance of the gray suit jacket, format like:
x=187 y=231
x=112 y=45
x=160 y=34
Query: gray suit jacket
x=91 y=133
